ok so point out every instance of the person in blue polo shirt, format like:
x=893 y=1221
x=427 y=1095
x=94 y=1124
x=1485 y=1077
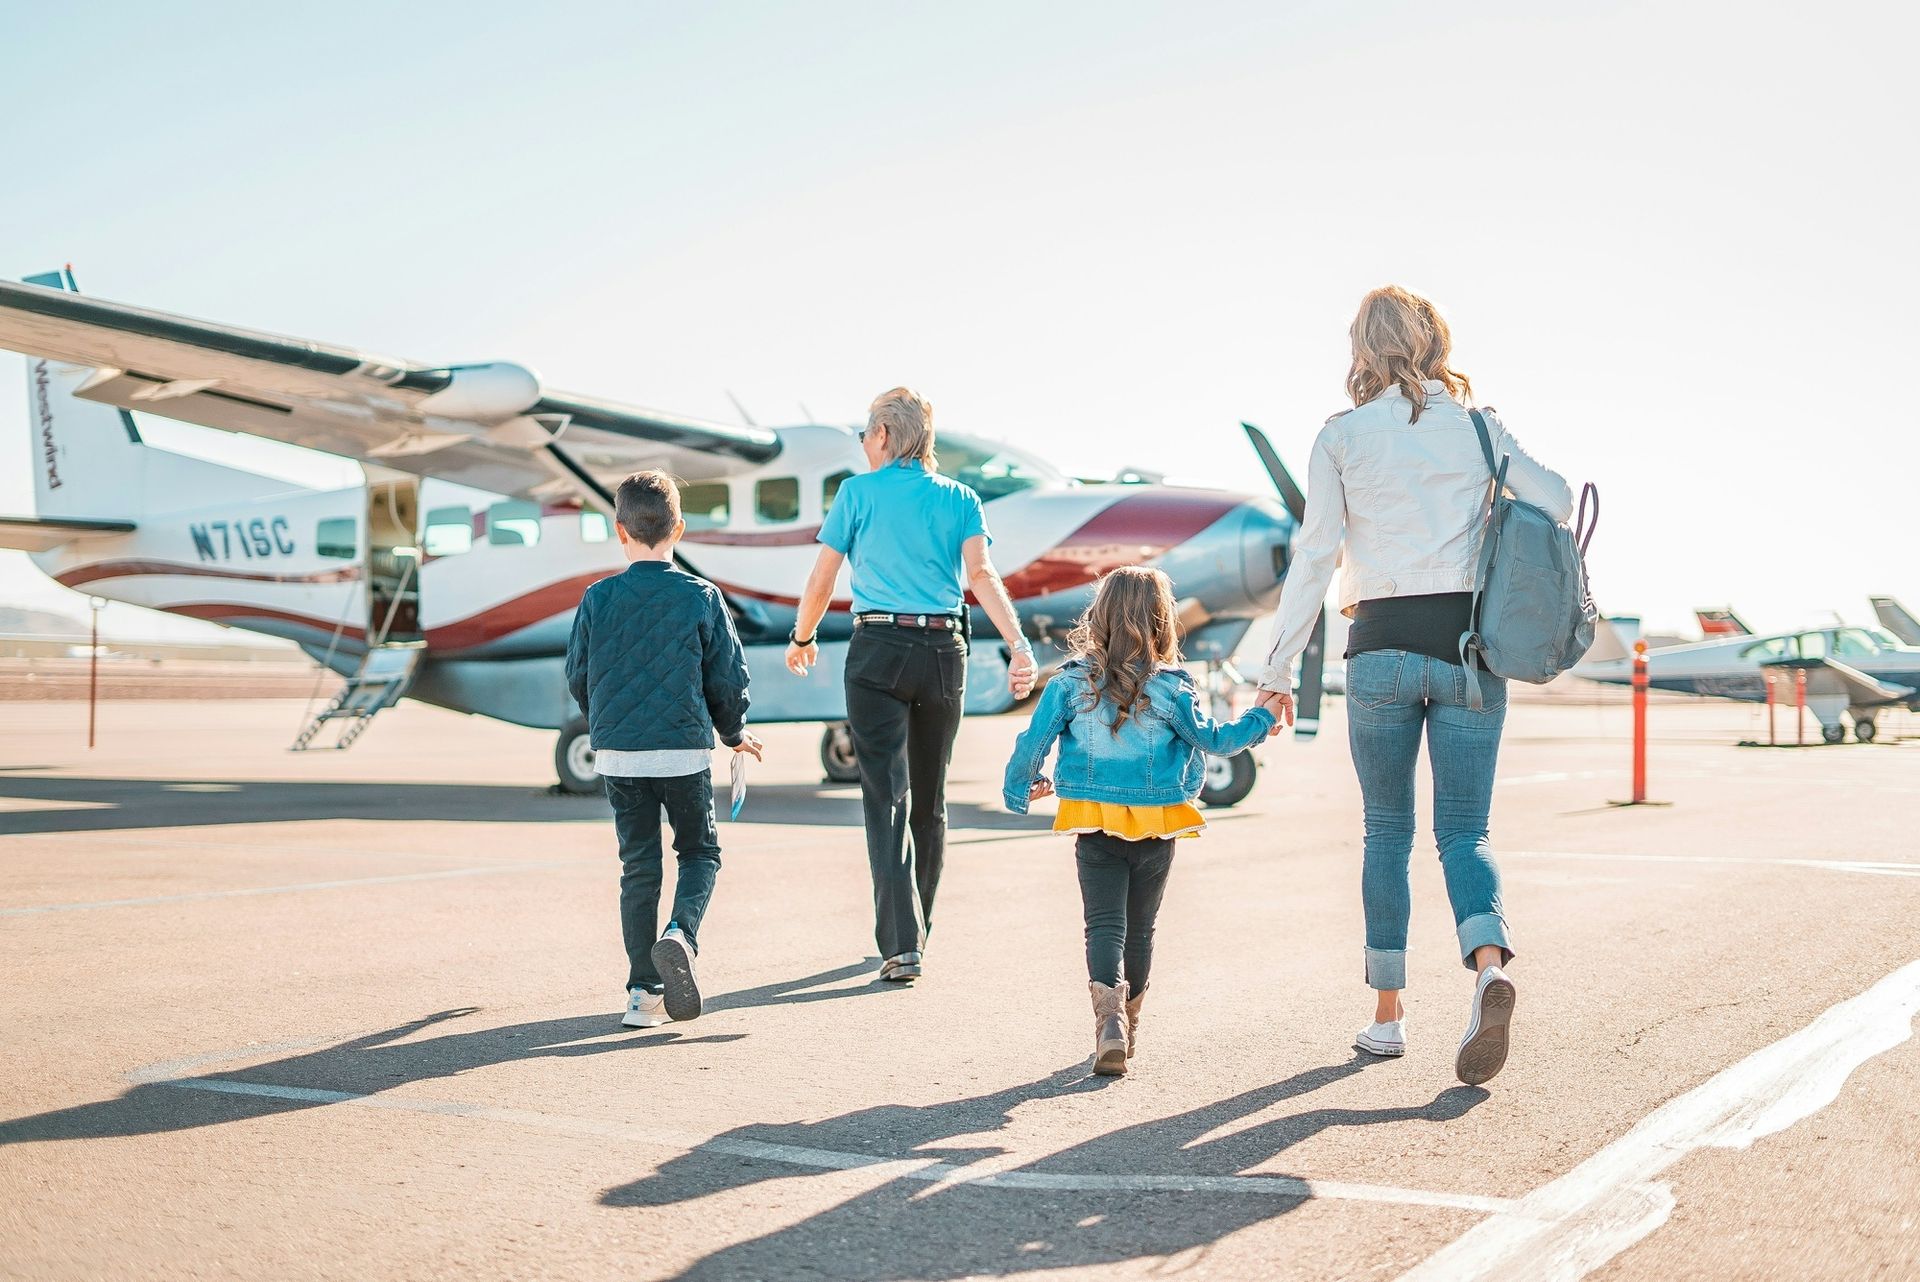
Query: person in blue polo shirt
x=918 y=543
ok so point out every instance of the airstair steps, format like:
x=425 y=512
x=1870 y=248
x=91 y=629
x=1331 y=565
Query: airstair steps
x=380 y=682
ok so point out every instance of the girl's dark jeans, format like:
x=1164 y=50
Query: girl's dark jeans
x=1120 y=887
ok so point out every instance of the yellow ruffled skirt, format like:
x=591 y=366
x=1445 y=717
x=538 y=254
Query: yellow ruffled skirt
x=1129 y=823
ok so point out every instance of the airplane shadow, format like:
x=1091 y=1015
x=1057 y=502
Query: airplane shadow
x=900 y=1230
x=112 y=805
x=384 y=1060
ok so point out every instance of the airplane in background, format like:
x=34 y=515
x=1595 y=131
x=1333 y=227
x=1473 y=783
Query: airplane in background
x=1721 y=621
x=1853 y=672
x=452 y=574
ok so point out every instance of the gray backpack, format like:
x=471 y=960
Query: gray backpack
x=1532 y=612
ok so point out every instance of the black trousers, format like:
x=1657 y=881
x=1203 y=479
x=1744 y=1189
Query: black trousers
x=688 y=801
x=905 y=692
x=1121 y=883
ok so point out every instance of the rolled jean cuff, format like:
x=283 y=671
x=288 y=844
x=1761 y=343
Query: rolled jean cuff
x=1386 y=969
x=1480 y=930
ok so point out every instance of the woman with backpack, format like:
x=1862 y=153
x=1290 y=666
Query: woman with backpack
x=1397 y=494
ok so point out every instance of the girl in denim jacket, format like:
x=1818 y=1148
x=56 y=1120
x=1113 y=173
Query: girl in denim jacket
x=1133 y=748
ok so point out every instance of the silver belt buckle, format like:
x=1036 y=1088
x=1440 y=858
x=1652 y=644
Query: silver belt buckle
x=923 y=620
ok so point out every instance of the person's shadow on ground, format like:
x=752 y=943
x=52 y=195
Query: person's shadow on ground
x=907 y=1229
x=390 y=1058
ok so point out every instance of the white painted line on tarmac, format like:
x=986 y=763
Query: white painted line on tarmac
x=1874 y=867
x=1573 y=1225
x=925 y=1170
x=344 y=883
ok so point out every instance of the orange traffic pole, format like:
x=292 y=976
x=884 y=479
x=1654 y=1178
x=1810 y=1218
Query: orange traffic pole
x=1639 y=723
x=1800 y=705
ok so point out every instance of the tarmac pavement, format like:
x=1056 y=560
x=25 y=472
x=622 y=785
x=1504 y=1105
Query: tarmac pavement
x=355 y=1015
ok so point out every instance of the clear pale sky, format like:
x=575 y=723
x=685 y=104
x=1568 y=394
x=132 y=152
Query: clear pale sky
x=1675 y=239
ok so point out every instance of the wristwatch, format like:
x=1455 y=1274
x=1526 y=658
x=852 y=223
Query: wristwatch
x=793 y=636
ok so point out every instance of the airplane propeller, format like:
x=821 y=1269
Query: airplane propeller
x=1313 y=660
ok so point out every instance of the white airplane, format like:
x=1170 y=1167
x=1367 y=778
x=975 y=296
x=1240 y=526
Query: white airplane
x=1894 y=618
x=1852 y=673
x=415 y=585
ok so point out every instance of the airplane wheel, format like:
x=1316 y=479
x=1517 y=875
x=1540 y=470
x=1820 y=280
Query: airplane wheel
x=1228 y=780
x=1833 y=734
x=836 y=754
x=573 y=761
x=1864 y=730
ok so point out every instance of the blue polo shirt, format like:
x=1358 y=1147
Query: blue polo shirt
x=902 y=528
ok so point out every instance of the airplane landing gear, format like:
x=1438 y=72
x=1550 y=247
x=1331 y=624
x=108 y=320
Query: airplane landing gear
x=836 y=754
x=1834 y=734
x=1228 y=780
x=573 y=761
x=1864 y=729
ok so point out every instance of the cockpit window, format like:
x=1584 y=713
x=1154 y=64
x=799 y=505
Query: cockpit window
x=992 y=470
x=1766 y=651
x=1855 y=643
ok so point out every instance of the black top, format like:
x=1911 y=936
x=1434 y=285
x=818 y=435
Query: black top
x=1429 y=625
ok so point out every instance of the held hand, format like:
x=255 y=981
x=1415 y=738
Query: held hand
x=1279 y=703
x=749 y=744
x=1021 y=674
x=802 y=657
x=1042 y=787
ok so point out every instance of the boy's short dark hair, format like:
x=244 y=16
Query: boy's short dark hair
x=648 y=506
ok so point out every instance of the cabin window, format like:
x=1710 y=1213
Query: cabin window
x=449 y=531
x=515 y=521
x=595 y=528
x=1766 y=651
x=831 y=487
x=707 y=506
x=1854 y=643
x=777 y=500
x=338 y=537
x=1813 y=645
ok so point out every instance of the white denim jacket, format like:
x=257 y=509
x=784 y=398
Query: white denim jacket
x=1408 y=500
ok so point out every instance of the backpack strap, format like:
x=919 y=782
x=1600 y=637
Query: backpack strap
x=1471 y=646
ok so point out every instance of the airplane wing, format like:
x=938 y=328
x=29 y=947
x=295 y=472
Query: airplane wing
x=491 y=426
x=1831 y=680
x=43 y=533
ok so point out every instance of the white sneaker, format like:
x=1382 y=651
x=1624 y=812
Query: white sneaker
x=1483 y=1051
x=1388 y=1039
x=645 y=1009
x=673 y=958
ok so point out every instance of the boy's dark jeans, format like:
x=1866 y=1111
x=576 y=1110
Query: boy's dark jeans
x=1121 y=883
x=636 y=819
x=906 y=688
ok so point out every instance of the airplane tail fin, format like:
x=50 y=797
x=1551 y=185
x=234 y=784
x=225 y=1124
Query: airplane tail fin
x=88 y=460
x=1895 y=619
x=1613 y=638
x=1722 y=622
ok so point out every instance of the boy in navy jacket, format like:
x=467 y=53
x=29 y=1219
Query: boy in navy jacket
x=656 y=666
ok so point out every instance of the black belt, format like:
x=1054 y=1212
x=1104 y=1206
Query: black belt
x=932 y=622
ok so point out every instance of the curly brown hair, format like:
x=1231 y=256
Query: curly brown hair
x=1125 y=636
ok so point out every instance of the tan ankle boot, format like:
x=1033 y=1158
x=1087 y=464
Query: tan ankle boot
x=1109 y=1029
x=1133 y=1023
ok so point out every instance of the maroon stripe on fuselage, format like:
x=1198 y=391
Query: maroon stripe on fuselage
x=1138 y=528
x=135 y=569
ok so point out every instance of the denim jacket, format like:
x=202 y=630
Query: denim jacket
x=1157 y=759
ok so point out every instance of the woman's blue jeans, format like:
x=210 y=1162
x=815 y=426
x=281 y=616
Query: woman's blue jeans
x=1393 y=697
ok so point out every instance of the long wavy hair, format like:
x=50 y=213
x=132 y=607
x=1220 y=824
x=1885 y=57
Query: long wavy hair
x=1125 y=636
x=1400 y=337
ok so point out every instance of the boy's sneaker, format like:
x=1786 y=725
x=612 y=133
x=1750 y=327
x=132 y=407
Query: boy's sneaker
x=1386 y=1040
x=645 y=1009
x=1483 y=1051
x=900 y=969
x=673 y=958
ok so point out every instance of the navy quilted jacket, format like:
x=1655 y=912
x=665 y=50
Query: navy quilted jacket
x=654 y=662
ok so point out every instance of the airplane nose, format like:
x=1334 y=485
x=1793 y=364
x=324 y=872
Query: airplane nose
x=1266 y=536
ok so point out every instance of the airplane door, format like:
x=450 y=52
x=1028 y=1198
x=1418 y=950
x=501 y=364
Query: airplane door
x=393 y=558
